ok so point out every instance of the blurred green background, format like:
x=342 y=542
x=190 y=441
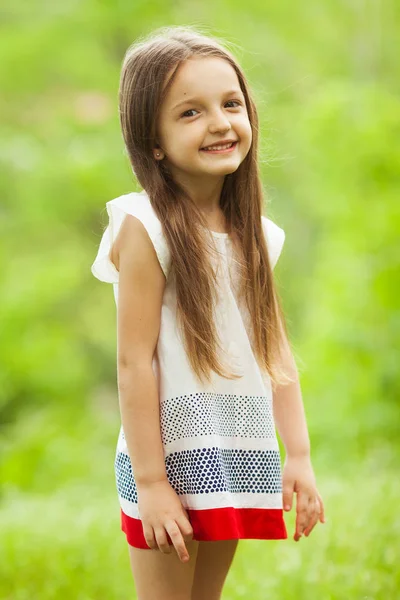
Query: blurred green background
x=325 y=76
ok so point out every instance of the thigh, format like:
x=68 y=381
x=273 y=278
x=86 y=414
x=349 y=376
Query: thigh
x=212 y=565
x=160 y=576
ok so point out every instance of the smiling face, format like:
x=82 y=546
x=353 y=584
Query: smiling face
x=203 y=107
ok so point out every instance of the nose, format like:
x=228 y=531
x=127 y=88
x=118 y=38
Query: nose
x=219 y=122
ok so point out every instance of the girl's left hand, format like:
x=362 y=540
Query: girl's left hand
x=298 y=476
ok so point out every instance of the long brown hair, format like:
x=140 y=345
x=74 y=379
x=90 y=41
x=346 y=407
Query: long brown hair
x=145 y=79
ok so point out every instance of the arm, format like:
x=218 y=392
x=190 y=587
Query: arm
x=298 y=474
x=141 y=288
x=288 y=407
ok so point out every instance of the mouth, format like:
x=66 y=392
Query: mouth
x=220 y=148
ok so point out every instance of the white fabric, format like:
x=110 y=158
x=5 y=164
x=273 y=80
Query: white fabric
x=237 y=414
x=138 y=205
x=275 y=239
x=230 y=313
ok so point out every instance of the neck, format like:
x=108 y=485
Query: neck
x=205 y=193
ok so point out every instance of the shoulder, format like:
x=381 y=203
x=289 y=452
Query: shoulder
x=132 y=241
x=131 y=232
x=137 y=204
x=275 y=238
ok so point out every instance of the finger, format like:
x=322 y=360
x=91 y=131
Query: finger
x=185 y=527
x=322 y=510
x=177 y=540
x=287 y=496
x=300 y=526
x=305 y=516
x=162 y=541
x=314 y=518
x=310 y=509
x=185 y=512
x=301 y=511
x=149 y=537
x=301 y=514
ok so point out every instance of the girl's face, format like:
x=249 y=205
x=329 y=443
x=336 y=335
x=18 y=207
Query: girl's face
x=204 y=106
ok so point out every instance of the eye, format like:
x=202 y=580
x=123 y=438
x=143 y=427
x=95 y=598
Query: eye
x=187 y=111
x=237 y=102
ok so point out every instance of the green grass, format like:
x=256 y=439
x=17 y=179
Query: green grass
x=325 y=78
x=68 y=544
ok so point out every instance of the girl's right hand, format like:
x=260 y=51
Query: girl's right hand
x=162 y=512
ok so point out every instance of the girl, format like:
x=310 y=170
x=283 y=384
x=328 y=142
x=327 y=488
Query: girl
x=205 y=369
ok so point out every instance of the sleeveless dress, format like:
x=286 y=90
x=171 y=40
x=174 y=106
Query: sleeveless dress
x=221 y=451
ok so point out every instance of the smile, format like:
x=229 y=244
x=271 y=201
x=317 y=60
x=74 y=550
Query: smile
x=220 y=149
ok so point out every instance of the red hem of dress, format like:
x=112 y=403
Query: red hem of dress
x=219 y=524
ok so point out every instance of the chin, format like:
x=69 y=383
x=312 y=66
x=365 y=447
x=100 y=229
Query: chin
x=229 y=169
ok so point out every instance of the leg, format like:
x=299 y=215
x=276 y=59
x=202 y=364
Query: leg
x=160 y=576
x=213 y=562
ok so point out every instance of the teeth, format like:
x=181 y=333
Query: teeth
x=219 y=147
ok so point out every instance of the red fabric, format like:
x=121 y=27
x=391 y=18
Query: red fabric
x=219 y=524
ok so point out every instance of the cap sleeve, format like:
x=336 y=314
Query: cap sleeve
x=138 y=205
x=275 y=237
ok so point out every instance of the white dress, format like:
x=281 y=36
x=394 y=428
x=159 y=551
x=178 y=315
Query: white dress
x=220 y=446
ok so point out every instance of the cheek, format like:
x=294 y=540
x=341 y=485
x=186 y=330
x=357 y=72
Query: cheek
x=245 y=133
x=187 y=141
x=246 y=130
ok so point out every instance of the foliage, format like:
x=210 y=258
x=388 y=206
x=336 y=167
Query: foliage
x=325 y=77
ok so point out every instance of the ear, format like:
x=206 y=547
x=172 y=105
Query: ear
x=158 y=153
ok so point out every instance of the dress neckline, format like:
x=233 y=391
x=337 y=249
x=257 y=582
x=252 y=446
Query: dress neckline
x=220 y=234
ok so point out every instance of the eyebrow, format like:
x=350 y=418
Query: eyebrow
x=195 y=99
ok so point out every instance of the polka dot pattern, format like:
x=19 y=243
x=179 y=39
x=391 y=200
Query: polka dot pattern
x=216 y=414
x=220 y=448
x=208 y=470
x=126 y=485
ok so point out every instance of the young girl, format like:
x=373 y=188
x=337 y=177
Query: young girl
x=205 y=370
